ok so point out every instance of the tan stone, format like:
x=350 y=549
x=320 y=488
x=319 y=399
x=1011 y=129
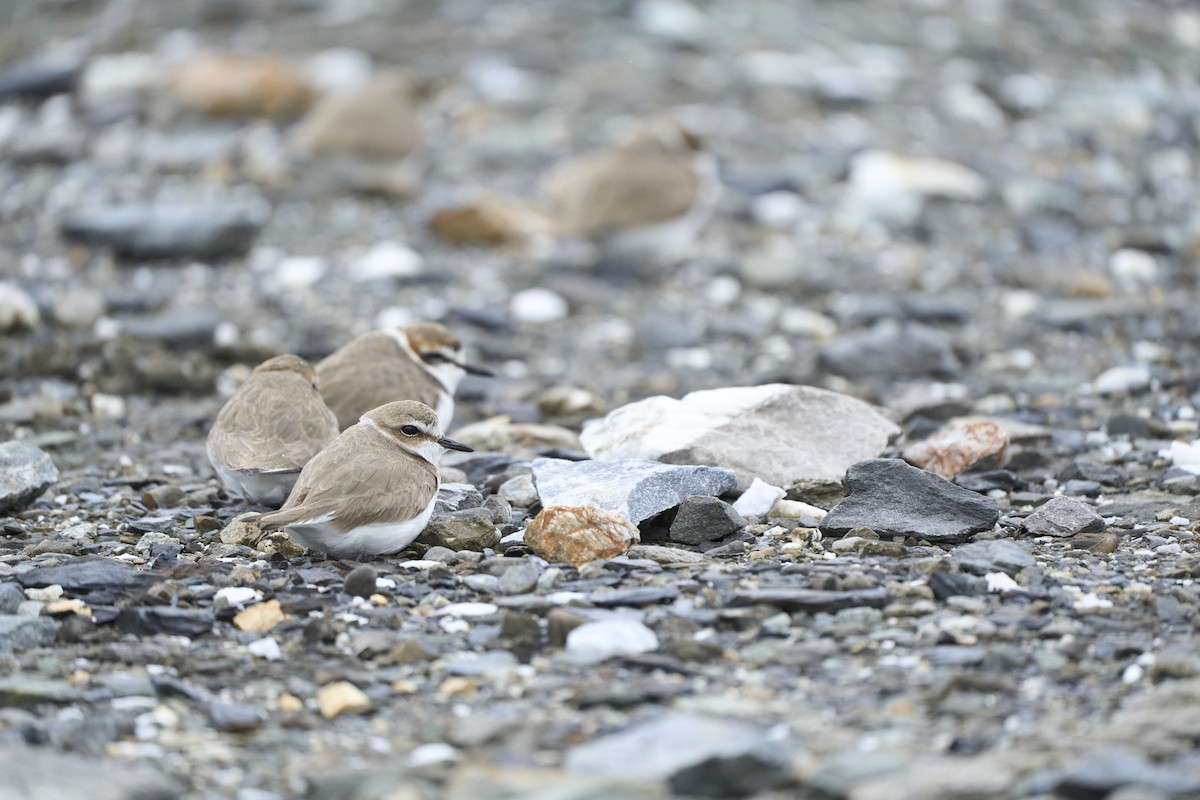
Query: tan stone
x=376 y=122
x=341 y=697
x=958 y=446
x=241 y=530
x=232 y=85
x=579 y=534
x=259 y=617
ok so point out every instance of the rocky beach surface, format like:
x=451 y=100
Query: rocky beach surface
x=888 y=489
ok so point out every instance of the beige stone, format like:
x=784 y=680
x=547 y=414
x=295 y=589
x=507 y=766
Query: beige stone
x=259 y=617
x=341 y=697
x=233 y=85
x=579 y=534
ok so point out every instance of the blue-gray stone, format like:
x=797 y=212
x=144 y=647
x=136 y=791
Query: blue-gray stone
x=893 y=498
x=636 y=489
x=150 y=232
x=21 y=633
x=25 y=472
x=998 y=555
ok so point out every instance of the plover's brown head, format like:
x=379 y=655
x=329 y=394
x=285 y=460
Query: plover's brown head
x=415 y=427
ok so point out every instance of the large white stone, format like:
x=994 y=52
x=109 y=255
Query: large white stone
x=780 y=433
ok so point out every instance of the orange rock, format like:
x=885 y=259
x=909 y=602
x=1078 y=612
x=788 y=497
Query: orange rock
x=579 y=534
x=230 y=85
x=957 y=446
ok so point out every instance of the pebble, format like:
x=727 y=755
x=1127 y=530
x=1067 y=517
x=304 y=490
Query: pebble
x=1121 y=380
x=375 y=122
x=894 y=498
x=88 y=573
x=593 y=642
x=538 y=306
x=704 y=519
x=758 y=499
x=387 y=261
x=779 y=433
x=576 y=535
x=163 y=231
x=997 y=555
x=25 y=472
x=21 y=633
x=890 y=351
x=362 y=581
x=469 y=529
x=18 y=311
x=1063 y=516
x=260 y=617
x=341 y=697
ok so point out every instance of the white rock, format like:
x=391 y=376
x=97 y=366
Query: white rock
x=238 y=596
x=967 y=102
x=1132 y=268
x=387 y=260
x=1185 y=455
x=501 y=82
x=468 y=610
x=538 y=305
x=760 y=498
x=806 y=322
x=338 y=68
x=1122 y=379
x=299 y=272
x=108 y=406
x=780 y=433
x=891 y=188
x=121 y=77
x=265 y=648
x=674 y=20
x=999 y=583
x=17 y=308
x=432 y=753
x=780 y=209
x=597 y=641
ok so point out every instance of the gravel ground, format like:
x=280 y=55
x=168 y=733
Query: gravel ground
x=978 y=209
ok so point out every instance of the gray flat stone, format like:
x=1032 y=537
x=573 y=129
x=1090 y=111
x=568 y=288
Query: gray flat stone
x=636 y=489
x=26 y=691
x=456 y=497
x=87 y=574
x=892 y=352
x=150 y=232
x=998 y=555
x=35 y=772
x=780 y=433
x=894 y=498
x=1063 y=516
x=691 y=751
x=790 y=599
x=25 y=472
x=21 y=633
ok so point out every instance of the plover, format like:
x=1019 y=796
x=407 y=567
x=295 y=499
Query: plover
x=644 y=200
x=269 y=429
x=423 y=361
x=372 y=490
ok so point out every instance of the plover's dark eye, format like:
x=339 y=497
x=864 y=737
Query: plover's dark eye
x=410 y=430
x=434 y=357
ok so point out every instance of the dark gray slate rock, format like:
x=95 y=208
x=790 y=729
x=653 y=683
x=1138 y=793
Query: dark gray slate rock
x=456 y=497
x=235 y=717
x=890 y=352
x=893 y=498
x=696 y=754
x=637 y=489
x=21 y=633
x=520 y=578
x=42 y=772
x=633 y=596
x=32 y=80
x=1063 y=516
x=1108 y=474
x=25 y=472
x=704 y=519
x=151 y=232
x=88 y=574
x=166 y=619
x=194 y=327
x=997 y=555
x=790 y=599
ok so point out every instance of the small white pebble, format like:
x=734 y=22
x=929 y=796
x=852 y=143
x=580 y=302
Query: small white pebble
x=265 y=648
x=538 y=305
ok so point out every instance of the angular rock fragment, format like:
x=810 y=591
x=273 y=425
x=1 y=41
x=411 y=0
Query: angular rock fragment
x=783 y=434
x=958 y=446
x=25 y=472
x=469 y=529
x=895 y=498
x=1063 y=516
x=579 y=534
x=635 y=489
x=704 y=519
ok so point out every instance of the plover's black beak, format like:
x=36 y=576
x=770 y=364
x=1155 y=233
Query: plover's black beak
x=471 y=369
x=450 y=444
